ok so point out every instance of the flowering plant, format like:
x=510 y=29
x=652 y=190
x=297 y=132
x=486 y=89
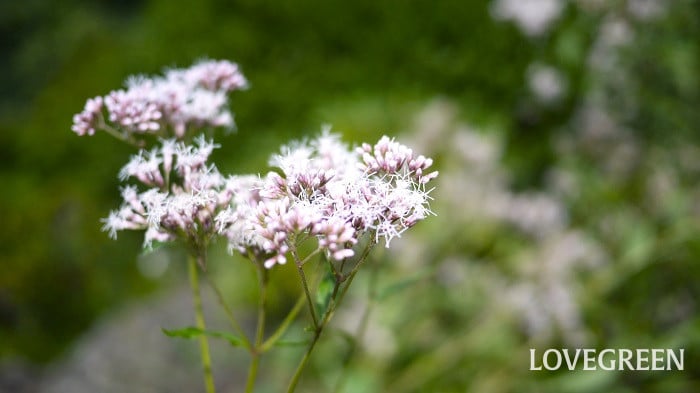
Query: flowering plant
x=321 y=192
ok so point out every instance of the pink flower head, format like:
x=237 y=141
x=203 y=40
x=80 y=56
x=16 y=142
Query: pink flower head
x=391 y=157
x=184 y=194
x=216 y=76
x=326 y=190
x=168 y=106
x=87 y=121
x=134 y=110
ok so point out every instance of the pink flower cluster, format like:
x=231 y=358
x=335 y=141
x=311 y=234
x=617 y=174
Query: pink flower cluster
x=87 y=121
x=320 y=189
x=326 y=190
x=167 y=106
x=184 y=194
x=392 y=158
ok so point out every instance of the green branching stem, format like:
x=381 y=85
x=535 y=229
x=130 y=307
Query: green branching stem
x=351 y=276
x=362 y=328
x=295 y=379
x=335 y=299
x=229 y=314
x=308 y=257
x=270 y=342
x=193 y=261
x=305 y=285
x=122 y=136
x=260 y=330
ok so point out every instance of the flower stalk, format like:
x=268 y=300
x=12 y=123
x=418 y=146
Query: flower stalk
x=193 y=262
x=335 y=298
x=257 y=351
x=320 y=191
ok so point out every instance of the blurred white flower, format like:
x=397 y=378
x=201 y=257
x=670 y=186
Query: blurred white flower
x=533 y=17
x=546 y=296
x=546 y=82
x=646 y=9
x=536 y=281
x=377 y=340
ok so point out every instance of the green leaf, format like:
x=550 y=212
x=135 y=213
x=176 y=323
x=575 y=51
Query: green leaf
x=192 y=332
x=187 y=332
x=324 y=291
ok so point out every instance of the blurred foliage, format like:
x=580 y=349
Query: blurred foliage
x=618 y=149
x=298 y=56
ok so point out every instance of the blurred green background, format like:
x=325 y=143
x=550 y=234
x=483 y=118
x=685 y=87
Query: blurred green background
x=568 y=206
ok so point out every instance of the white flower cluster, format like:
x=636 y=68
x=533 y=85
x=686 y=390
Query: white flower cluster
x=324 y=189
x=166 y=106
x=183 y=197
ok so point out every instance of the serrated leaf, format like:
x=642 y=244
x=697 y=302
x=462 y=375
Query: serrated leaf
x=192 y=332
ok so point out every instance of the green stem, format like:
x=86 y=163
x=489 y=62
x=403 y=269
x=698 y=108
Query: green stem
x=229 y=313
x=252 y=373
x=336 y=298
x=199 y=318
x=300 y=368
x=304 y=284
x=260 y=330
x=317 y=334
x=314 y=252
x=289 y=319
x=284 y=326
x=361 y=329
x=122 y=136
x=351 y=276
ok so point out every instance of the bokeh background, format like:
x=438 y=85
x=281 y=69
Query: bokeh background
x=568 y=206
